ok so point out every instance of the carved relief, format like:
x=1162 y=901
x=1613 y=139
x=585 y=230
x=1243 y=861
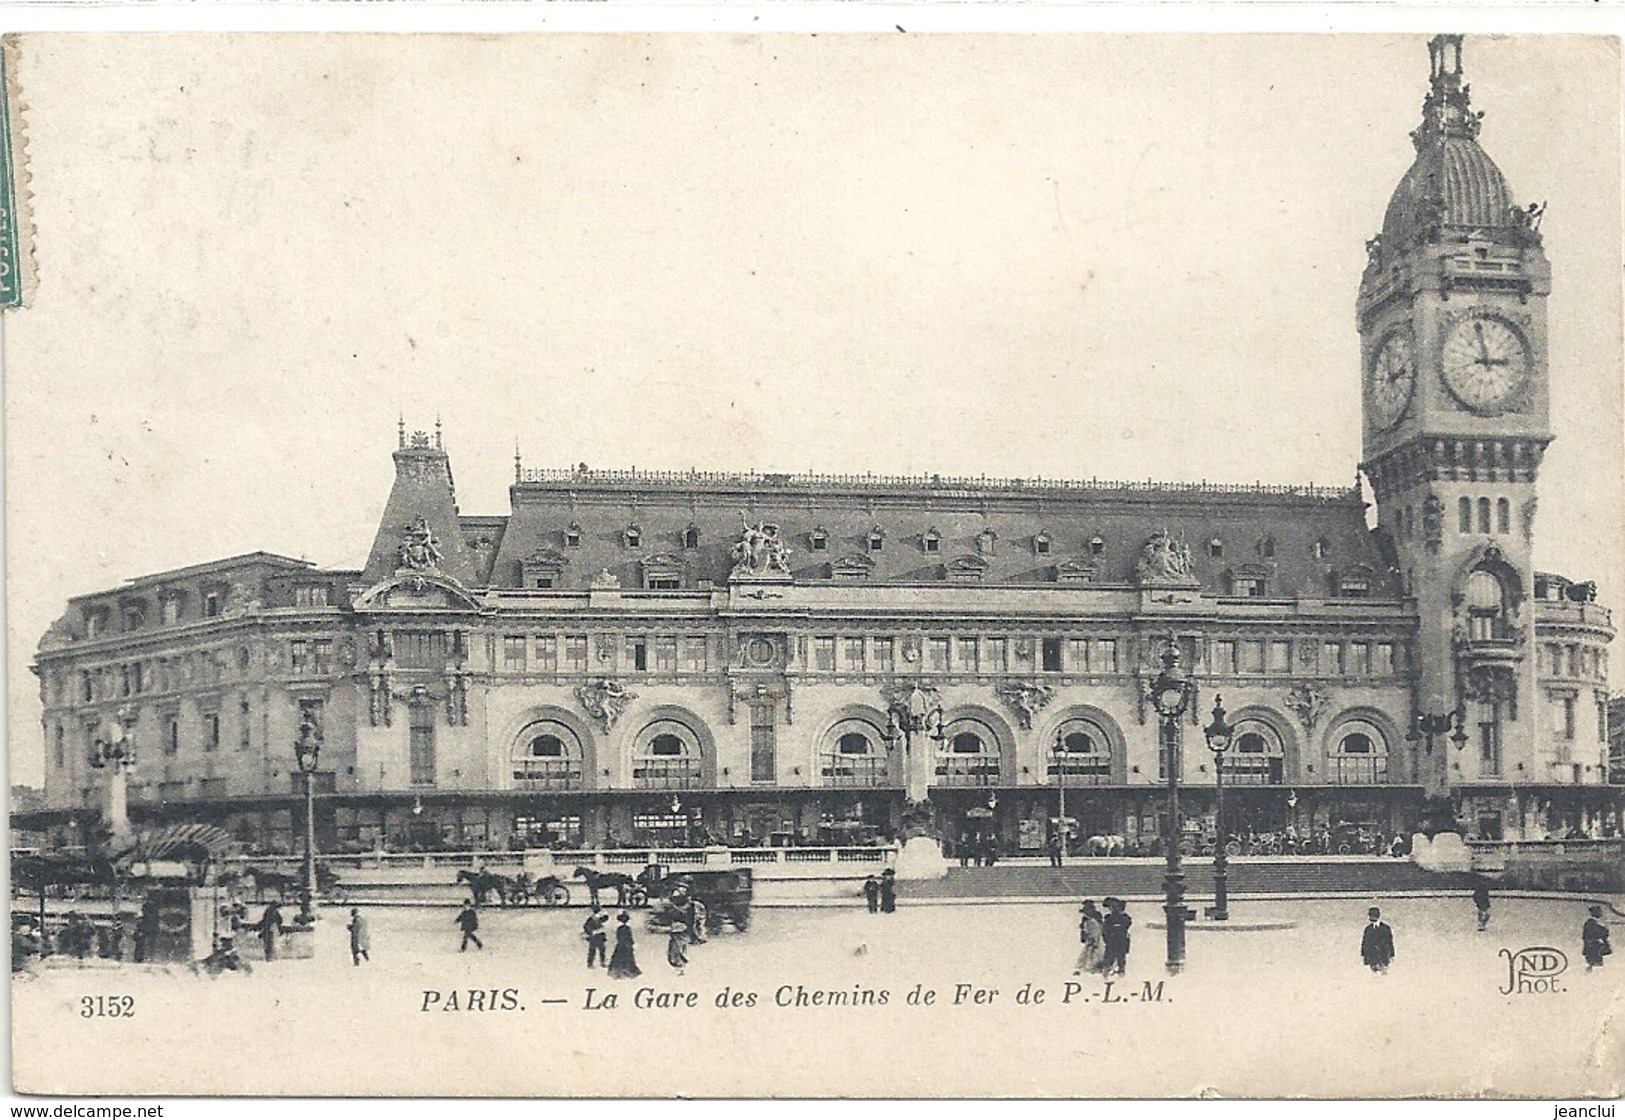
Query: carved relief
x=457 y=697
x=760 y=552
x=604 y=700
x=604 y=646
x=911 y=648
x=1308 y=703
x=1025 y=699
x=1526 y=518
x=419 y=550
x=1432 y=522
x=380 y=700
x=1163 y=560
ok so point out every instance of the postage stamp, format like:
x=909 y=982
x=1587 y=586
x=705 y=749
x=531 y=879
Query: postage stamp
x=1039 y=565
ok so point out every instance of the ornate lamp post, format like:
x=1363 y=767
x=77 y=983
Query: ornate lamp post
x=915 y=715
x=1060 y=794
x=307 y=751
x=1218 y=734
x=1171 y=694
x=1425 y=727
x=116 y=754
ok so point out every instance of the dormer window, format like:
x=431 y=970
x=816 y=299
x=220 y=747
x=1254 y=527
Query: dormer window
x=986 y=541
x=632 y=536
x=877 y=539
x=134 y=618
x=691 y=537
x=932 y=540
x=663 y=573
x=1266 y=547
x=310 y=595
x=169 y=607
x=572 y=536
x=542 y=569
x=1322 y=548
x=819 y=540
x=1041 y=543
x=95 y=623
x=1097 y=546
x=1215 y=549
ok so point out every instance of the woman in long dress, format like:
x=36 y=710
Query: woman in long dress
x=1090 y=932
x=677 y=945
x=623 y=962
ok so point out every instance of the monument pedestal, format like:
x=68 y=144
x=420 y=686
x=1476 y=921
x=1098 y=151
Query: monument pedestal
x=921 y=858
x=1446 y=851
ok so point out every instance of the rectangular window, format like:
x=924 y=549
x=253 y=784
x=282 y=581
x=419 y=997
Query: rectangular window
x=61 y=751
x=310 y=595
x=420 y=649
x=1280 y=657
x=694 y=655
x=513 y=652
x=211 y=604
x=1359 y=659
x=1568 y=717
x=245 y=726
x=1331 y=659
x=763 y=763
x=299 y=657
x=1251 y=656
x=666 y=653
x=1574 y=661
x=1464 y=515
x=637 y=653
x=824 y=653
x=1105 y=660
x=170 y=610
x=124 y=680
x=1382 y=659
x=85 y=687
x=1077 y=655
x=1224 y=657
x=420 y=747
x=852 y=655
x=1051 y=655
x=884 y=650
x=172 y=735
x=575 y=653
x=995 y=655
x=547 y=653
x=966 y=648
x=1556 y=655
x=321 y=655
x=936 y=654
x=1248 y=587
x=1489 y=743
x=211 y=731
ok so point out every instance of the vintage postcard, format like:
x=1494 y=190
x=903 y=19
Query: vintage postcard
x=825 y=565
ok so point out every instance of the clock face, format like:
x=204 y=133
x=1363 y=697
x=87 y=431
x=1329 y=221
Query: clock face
x=1484 y=362
x=1393 y=374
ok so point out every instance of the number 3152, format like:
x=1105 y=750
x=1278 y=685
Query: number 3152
x=106 y=1007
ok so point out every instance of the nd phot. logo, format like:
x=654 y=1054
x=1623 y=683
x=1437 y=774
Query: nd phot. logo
x=1534 y=971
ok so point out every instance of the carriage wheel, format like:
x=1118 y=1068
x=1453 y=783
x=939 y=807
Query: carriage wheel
x=1343 y=848
x=1233 y=848
x=1185 y=847
x=637 y=896
x=559 y=895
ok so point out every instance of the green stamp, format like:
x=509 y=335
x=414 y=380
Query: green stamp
x=11 y=272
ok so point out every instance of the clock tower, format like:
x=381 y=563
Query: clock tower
x=1452 y=321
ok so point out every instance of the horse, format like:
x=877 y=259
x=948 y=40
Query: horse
x=597 y=880
x=281 y=881
x=482 y=883
x=1105 y=845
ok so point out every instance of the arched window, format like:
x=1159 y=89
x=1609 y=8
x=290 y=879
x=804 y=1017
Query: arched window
x=1359 y=755
x=547 y=755
x=1486 y=607
x=1503 y=516
x=969 y=755
x=1464 y=515
x=1080 y=755
x=691 y=537
x=1256 y=756
x=1483 y=515
x=667 y=756
x=854 y=754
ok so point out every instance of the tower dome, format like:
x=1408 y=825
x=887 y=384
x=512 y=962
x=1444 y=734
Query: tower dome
x=1453 y=184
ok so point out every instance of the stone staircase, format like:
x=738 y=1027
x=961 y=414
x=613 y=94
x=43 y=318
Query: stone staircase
x=1098 y=878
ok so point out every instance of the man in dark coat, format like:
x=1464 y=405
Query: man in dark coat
x=270 y=927
x=1114 y=936
x=593 y=929
x=871 y=893
x=1594 y=940
x=469 y=919
x=1481 y=901
x=1377 y=943
x=888 y=891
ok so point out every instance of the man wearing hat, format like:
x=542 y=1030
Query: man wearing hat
x=1594 y=939
x=1377 y=943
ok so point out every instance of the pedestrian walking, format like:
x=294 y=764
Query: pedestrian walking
x=696 y=921
x=469 y=919
x=871 y=894
x=360 y=938
x=270 y=927
x=964 y=848
x=888 y=891
x=1114 y=938
x=1594 y=940
x=1377 y=942
x=990 y=849
x=1091 y=929
x=1481 y=901
x=623 y=962
x=593 y=929
x=677 y=945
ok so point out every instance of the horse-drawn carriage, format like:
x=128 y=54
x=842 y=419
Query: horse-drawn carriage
x=724 y=893
x=515 y=890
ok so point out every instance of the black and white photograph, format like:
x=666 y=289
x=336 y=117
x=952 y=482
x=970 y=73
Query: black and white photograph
x=795 y=563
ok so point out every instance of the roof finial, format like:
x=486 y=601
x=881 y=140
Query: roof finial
x=401 y=427
x=437 y=446
x=518 y=467
x=1447 y=110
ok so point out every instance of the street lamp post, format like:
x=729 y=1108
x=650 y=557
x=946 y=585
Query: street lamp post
x=912 y=716
x=1170 y=694
x=1060 y=796
x=1426 y=726
x=307 y=751
x=1218 y=734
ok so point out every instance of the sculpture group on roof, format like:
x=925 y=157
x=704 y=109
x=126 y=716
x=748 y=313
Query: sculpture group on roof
x=760 y=551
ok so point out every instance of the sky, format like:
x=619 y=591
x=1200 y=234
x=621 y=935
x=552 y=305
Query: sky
x=1051 y=255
